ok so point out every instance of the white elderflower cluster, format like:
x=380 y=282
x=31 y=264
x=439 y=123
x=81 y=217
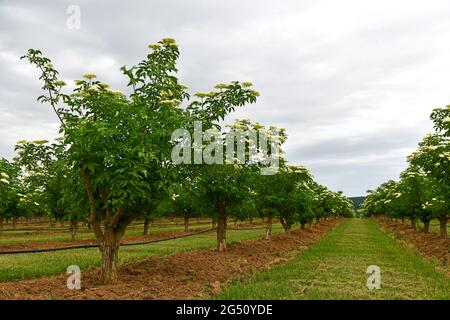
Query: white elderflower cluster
x=4 y=178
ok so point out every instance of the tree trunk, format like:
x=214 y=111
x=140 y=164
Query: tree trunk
x=285 y=224
x=426 y=226
x=109 y=251
x=109 y=245
x=1 y=222
x=198 y=220
x=414 y=223
x=74 y=229
x=146 y=226
x=14 y=221
x=213 y=223
x=109 y=237
x=251 y=220
x=186 y=223
x=222 y=230
x=443 y=226
x=269 y=227
x=302 y=225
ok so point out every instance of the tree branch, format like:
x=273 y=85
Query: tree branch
x=92 y=205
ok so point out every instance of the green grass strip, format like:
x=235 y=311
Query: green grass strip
x=335 y=268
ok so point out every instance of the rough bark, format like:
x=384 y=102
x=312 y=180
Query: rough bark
x=426 y=226
x=74 y=229
x=269 y=227
x=186 y=222
x=286 y=225
x=109 y=249
x=443 y=226
x=146 y=225
x=221 y=229
x=110 y=236
x=414 y=223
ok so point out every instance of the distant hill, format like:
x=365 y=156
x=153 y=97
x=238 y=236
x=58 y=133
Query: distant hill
x=357 y=201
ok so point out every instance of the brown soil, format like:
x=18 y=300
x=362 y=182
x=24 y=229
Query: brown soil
x=429 y=244
x=191 y=275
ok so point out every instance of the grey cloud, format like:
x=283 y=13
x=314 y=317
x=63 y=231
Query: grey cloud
x=337 y=76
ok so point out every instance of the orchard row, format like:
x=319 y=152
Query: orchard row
x=423 y=191
x=112 y=164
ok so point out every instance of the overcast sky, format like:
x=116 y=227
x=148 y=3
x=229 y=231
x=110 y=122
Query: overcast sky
x=353 y=82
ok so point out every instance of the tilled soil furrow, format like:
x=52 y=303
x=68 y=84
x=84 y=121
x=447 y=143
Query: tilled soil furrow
x=189 y=275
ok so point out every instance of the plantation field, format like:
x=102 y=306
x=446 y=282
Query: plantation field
x=225 y=168
x=194 y=274
x=335 y=268
x=25 y=266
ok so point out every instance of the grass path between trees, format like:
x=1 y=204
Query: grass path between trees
x=335 y=268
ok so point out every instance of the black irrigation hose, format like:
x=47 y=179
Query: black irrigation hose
x=48 y=250
x=141 y=223
x=60 y=229
x=42 y=230
x=96 y=245
x=248 y=228
x=122 y=245
x=57 y=229
x=50 y=230
x=167 y=239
